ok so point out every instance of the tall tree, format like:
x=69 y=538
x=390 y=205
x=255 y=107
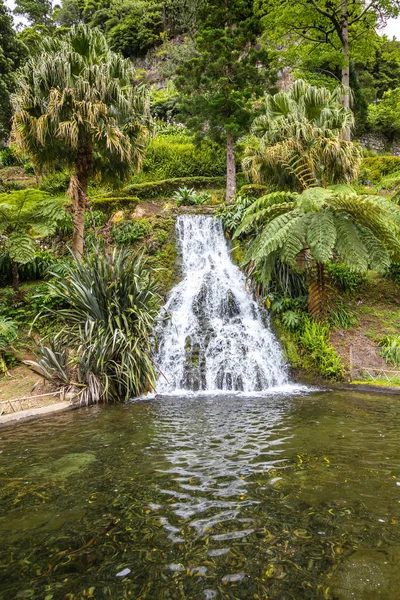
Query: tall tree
x=219 y=83
x=10 y=52
x=79 y=106
x=338 y=23
x=37 y=12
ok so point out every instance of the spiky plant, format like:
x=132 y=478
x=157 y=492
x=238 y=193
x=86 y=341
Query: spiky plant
x=111 y=306
x=79 y=106
x=317 y=225
x=299 y=142
x=26 y=215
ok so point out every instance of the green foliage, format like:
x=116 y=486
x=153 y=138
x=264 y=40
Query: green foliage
x=172 y=156
x=253 y=190
x=373 y=169
x=8 y=157
x=163 y=189
x=8 y=333
x=129 y=232
x=394 y=272
x=55 y=183
x=232 y=214
x=342 y=317
x=298 y=140
x=384 y=116
x=188 y=197
x=390 y=349
x=110 y=205
x=314 y=338
x=112 y=304
x=10 y=56
x=38 y=268
x=35 y=11
x=344 y=277
x=24 y=216
x=227 y=70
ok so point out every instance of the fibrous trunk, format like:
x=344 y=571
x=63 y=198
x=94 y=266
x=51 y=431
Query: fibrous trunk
x=15 y=275
x=230 y=168
x=77 y=192
x=318 y=288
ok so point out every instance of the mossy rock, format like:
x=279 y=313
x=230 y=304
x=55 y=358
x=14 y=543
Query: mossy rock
x=62 y=468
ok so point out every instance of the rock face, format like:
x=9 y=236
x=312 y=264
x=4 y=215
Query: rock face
x=378 y=143
x=215 y=337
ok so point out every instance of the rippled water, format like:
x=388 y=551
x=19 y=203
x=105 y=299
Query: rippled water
x=283 y=497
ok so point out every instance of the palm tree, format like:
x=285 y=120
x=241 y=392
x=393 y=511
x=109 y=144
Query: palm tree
x=319 y=225
x=79 y=106
x=298 y=140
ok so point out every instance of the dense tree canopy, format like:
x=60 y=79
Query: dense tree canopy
x=10 y=54
x=227 y=72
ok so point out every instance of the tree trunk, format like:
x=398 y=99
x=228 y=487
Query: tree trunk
x=346 y=54
x=14 y=275
x=77 y=191
x=230 y=168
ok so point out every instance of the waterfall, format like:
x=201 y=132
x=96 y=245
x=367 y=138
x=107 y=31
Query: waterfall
x=212 y=336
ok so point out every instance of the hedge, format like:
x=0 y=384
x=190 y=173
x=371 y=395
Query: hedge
x=376 y=167
x=165 y=188
x=253 y=190
x=110 y=205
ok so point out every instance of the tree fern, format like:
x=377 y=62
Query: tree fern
x=349 y=245
x=321 y=235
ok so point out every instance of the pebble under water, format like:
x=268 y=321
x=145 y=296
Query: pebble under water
x=280 y=497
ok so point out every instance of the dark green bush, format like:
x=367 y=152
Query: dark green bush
x=110 y=205
x=374 y=168
x=36 y=269
x=165 y=188
x=394 y=272
x=177 y=156
x=129 y=232
x=253 y=190
x=8 y=157
x=55 y=183
x=346 y=279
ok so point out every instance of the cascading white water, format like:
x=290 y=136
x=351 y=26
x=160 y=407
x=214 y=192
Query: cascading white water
x=213 y=336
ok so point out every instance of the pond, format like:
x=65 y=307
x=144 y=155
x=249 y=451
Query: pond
x=279 y=497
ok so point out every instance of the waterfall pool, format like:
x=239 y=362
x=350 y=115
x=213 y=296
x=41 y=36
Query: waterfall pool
x=285 y=497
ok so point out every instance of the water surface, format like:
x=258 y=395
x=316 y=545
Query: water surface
x=280 y=497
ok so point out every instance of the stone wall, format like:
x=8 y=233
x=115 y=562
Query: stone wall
x=379 y=143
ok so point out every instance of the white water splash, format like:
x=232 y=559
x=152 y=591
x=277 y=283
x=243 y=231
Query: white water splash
x=217 y=338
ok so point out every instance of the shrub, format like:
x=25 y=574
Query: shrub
x=346 y=279
x=8 y=333
x=8 y=157
x=374 y=168
x=390 y=349
x=177 y=156
x=111 y=205
x=55 y=183
x=394 y=272
x=315 y=340
x=164 y=188
x=342 y=317
x=112 y=305
x=253 y=190
x=38 y=268
x=129 y=232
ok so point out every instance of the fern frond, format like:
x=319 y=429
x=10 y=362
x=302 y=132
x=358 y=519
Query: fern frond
x=379 y=257
x=349 y=244
x=273 y=235
x=296 y=239
x=321 y=235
